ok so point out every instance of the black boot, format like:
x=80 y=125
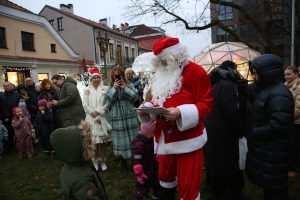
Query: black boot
x=167 y=193
x=47 y=155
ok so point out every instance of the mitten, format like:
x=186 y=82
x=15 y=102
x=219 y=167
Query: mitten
x=140 y=176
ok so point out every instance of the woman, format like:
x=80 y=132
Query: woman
x=291 y=75
x=122 y=117
x=48 y=92
x=96 y=110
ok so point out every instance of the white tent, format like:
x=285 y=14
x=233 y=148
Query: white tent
x=215 y=54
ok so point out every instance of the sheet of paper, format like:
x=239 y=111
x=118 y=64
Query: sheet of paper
x=154 y=110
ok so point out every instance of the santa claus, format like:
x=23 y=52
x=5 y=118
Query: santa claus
x=183 y=88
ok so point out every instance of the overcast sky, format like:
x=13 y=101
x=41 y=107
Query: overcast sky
x=112 y=10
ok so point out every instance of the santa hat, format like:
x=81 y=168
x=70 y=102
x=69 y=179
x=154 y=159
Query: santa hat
x=43 y=103
x=147 y=129
x=166 y=45
x=94 y=72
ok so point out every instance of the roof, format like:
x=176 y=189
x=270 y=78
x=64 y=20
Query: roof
x=13 y=5
x=87 y=21
x=142 y=29
x=147 y=43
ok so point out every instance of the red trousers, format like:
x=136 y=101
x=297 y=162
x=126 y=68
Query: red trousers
x=187 y=167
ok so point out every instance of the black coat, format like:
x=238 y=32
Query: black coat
x=43 y=123
x=8 y=100
x=224 y=126
x=272 y=111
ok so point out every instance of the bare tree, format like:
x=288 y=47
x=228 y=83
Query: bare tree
x=194 y=15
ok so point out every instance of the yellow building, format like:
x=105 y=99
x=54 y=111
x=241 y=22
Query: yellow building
x=30 y=46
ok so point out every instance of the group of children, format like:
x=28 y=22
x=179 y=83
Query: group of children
x=25 y=131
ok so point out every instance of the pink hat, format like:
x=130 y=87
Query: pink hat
x=43 y=103
x=147 y=129
x=94 y=72
x=166 y=45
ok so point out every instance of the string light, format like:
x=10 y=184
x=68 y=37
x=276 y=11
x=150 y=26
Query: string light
x=16 y=69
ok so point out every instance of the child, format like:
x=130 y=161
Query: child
x=144 y=163
x=22 y=105
x=74 y=147
x=3 y=138
x=43 y=123
x=23 y=133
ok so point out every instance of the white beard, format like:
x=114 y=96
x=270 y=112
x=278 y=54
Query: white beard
x=165 y=82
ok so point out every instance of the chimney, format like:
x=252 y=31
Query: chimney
x=103 y=21
x=68 y=8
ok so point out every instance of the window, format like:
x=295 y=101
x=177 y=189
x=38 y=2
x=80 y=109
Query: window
x=60 y=24
x=127 y=53
x=53 y=48
x=275 y=28
x=42 y=76
x=2 y=38
x=225 y=12
x=119 y=54
x=27 y=41
x=111 y=50
x=101 y=51
x=223 y=36
x=276 y=6
x=51 y=22
x=132 y=54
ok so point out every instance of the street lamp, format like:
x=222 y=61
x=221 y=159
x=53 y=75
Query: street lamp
x=103 y=43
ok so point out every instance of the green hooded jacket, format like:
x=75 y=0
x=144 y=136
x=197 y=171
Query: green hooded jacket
x=79 y=181
x=70 y=105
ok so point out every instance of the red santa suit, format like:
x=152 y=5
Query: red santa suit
x=179 y=144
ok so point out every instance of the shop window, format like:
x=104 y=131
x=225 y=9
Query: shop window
x=42 y=76
x=27 y=41
x=2 y=38
x=53 y=48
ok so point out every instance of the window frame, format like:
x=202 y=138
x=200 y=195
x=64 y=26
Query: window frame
x=25 y=44
x=3 y=38
x=53 y=50
x=60 y=26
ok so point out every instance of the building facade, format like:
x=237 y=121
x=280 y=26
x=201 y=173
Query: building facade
x=94 y=41
x=262 y=25
x=30 y=46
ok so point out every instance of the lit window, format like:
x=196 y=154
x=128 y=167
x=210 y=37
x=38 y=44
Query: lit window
x=42 y=76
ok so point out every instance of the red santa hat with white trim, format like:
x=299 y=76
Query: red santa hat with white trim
x=94 y=72
x=166 y=45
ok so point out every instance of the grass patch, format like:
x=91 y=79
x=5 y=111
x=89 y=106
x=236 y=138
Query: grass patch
x=38 y=179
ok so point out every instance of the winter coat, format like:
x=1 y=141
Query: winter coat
x=223 y=125
x=268 y=139
x=77 y=175
x=8 y=100
x=43 y=123
x=295 y=89
x=94 y=100
x=70 y=104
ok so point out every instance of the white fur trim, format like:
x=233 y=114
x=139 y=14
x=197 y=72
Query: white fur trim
x=189 y=117
x=170 y=49
x=197 y=198
x=184 y=146
x=168 y=184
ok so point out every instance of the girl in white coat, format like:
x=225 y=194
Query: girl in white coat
x=96 y=109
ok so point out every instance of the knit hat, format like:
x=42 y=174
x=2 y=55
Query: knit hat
x=94 y=72
x=147 y=129
x=166 y=45
x=43 y=103
x=22 y=103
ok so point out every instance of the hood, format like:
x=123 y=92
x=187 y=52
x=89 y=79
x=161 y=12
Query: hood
x=217 y=74
x=269 y=68
x=67 y=143
x=70 y=80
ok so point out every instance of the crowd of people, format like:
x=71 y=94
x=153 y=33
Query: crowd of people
x=205 y=117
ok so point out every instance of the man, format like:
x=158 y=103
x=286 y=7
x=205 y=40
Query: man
x=8 y=99
x=69 y=103
x=129 y=73
x=184 y=89
x=272 y=119
x=32 y=102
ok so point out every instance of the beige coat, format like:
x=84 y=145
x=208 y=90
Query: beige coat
x=295 y=89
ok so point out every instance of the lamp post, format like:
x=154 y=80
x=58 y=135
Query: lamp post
x=103 y=43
